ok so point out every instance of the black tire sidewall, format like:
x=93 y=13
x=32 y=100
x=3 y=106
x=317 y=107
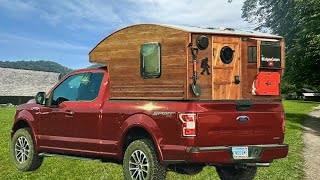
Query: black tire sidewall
x=29 y=163
x=142 y=146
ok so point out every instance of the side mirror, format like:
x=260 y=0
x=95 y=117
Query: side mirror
x=40 y=98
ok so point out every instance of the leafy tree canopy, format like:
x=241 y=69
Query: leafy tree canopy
x=298 y=22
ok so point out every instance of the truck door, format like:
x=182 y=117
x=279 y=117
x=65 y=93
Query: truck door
x=88 y=113
x=55 y=123
x=226 y=68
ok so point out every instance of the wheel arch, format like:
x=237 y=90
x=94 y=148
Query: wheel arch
x=24 y=123
x=142 y=126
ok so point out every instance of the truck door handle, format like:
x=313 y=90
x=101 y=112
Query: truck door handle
x=69 y=113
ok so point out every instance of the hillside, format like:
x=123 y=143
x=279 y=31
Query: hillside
x=47 y=66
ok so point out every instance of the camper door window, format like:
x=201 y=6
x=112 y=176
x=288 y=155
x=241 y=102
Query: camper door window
x=150 y=60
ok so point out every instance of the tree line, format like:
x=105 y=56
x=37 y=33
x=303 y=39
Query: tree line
x=42 y=65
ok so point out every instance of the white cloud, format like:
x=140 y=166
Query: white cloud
x=17 y=6
x=6 y=38
x=101 y=15
x=213 y=13
x=80 y=14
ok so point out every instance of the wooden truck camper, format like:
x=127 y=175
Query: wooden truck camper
x=169 y=62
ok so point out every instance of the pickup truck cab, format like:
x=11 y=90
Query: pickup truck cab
x=77 y=118
x=167 y=97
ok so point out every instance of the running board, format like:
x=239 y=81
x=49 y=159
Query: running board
x=65 y=156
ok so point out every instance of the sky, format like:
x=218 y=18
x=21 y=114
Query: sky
x=65 y=31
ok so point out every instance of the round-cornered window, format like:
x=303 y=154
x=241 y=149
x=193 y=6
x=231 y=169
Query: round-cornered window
x=226 y=55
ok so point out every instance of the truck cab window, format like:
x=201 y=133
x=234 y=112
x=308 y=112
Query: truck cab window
x=252 y=54
x=89 y=90
x=68 y=89
x=150 y=60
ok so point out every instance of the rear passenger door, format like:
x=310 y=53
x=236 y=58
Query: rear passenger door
x=87 y=115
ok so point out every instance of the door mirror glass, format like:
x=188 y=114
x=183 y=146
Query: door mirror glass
x=40 y=98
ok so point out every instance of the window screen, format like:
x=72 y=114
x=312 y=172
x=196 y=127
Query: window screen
x=252 y=54
x=150 y=55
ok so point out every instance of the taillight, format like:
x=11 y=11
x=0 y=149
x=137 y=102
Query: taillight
x=283 y=125
x=189 y=121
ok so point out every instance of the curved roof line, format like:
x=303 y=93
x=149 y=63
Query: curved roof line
x=127 y=28
x=193 y=29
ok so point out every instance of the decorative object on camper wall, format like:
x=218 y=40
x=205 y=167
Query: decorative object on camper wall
x=202 y=42
x=195 y=87
x=205 y=66
x=226 y=54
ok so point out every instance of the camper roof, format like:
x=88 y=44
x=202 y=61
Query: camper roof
x=231 y=31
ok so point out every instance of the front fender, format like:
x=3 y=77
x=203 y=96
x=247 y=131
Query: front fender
x=145 y=122
x=28 y=118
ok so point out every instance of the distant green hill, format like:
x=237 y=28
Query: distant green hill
x=47 y=66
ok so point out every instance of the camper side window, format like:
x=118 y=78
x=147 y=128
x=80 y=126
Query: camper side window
x=252 y=54
x=150 y=60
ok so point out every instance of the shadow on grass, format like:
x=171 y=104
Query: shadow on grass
x=308 y=123
x=312 y=123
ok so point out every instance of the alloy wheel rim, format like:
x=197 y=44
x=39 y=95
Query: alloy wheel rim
x=138 y=165
x=22 y=149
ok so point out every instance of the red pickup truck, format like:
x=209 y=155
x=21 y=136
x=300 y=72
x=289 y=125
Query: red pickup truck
x=77 y=118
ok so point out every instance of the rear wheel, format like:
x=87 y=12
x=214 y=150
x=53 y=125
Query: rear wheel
x=23 y=151
x=142 y=163
x=233 y=173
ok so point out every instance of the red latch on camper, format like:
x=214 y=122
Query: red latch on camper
x=266 y=83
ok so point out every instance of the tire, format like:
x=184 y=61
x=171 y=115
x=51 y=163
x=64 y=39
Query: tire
x=232 y=173
x=22 y=141
x=149 y=168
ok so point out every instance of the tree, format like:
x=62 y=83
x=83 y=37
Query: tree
x=48 y=66
x=276 y=16
x=298 y=22
x=304 y=57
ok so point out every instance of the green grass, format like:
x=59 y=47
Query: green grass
x=60 y=168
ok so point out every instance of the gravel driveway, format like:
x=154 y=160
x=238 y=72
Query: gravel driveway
x=311 y=138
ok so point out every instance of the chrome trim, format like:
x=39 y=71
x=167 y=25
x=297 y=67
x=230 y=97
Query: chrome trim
x=222 y=148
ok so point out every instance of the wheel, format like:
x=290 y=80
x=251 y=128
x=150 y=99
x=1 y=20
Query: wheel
x=23 y=151
x=141 y=162
x=233 y=173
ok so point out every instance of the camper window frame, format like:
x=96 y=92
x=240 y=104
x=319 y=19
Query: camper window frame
x=251 y=55
x=142 y=73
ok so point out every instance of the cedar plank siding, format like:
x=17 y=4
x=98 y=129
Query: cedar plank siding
x=122 y=50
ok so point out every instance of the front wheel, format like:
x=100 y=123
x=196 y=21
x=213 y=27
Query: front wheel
x=142 y=163
x=23 y=151
x=233 y=173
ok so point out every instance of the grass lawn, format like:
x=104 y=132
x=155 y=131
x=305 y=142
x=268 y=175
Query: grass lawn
x=59 y=168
